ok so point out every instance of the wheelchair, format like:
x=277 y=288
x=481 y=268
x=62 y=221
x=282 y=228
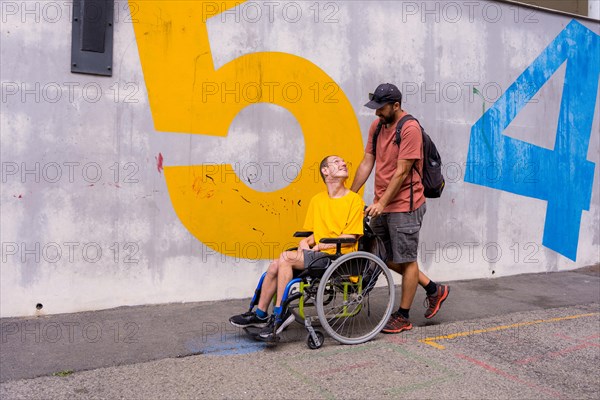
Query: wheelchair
x=353 y=293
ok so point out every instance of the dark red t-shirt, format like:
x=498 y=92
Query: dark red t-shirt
x=386 y=163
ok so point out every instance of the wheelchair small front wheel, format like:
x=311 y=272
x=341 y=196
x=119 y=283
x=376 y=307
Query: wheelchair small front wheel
x=355 y=297
x=311 y=342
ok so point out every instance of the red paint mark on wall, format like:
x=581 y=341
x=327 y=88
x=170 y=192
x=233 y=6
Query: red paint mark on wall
x=159 y=162
x=203 y=190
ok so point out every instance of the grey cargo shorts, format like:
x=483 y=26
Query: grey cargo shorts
x=400 y=233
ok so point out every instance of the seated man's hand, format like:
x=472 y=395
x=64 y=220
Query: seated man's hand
x=303 y=245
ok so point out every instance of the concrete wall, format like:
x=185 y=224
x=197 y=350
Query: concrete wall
x=177 y=178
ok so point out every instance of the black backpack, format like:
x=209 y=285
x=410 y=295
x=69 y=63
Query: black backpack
x=432 y=178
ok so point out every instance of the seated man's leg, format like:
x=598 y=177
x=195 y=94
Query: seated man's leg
x=269 y=286
x=288 y=261
x=259 y=318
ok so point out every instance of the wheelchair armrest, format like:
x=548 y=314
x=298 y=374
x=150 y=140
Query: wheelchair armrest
x=302 y=234
x=338 y=243
x=338 y=240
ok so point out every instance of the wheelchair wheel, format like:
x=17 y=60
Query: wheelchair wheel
x=355 y=297
x=311 y=343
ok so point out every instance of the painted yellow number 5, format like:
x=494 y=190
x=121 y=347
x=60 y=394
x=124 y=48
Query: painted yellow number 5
x=223 y=212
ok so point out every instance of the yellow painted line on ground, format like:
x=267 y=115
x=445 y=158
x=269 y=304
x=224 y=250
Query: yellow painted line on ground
x=432 y=340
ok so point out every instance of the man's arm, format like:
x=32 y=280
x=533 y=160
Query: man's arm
x=402 y=170
x=363 y=172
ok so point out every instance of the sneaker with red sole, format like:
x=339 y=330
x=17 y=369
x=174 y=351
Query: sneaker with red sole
x=396 y=324
x=434 y=302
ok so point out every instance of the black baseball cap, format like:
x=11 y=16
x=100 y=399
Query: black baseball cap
x=384 y=94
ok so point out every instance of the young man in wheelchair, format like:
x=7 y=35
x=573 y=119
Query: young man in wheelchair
x=335 y=213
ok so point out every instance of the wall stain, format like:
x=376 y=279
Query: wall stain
x=202 y=191
x=159 y=162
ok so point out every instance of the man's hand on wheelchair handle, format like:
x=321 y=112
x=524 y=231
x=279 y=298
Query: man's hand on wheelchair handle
x=375 y=209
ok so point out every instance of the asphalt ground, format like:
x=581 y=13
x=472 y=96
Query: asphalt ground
x=525 y=336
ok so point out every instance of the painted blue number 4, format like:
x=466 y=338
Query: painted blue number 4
x=566 y=177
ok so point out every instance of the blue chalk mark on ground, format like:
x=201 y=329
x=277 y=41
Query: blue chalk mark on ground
x=224 y=345
x=564 y=177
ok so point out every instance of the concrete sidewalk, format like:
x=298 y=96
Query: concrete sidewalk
x=60 y=344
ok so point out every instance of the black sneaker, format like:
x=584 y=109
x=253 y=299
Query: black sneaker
x=270 y=333
x=248 y=319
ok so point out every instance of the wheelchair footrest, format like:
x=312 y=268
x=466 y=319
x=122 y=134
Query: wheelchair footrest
x=254 y=333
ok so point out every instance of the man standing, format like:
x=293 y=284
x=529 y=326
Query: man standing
x=399 y=205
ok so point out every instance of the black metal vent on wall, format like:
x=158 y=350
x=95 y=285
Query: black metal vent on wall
x=92 y=37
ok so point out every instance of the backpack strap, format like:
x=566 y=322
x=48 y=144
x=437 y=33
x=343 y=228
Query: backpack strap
x=399 y=126
x=375 y=136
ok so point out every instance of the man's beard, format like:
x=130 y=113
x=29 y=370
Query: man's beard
x=389 y=119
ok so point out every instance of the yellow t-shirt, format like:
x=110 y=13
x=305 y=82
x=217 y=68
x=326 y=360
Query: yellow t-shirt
x=330 y=218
